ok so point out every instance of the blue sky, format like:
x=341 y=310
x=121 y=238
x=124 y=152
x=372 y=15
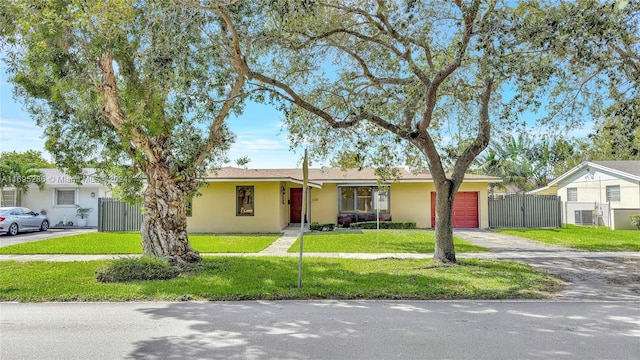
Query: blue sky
x=258 y=132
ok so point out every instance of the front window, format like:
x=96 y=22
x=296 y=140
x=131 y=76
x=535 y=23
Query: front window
x=383 y=200
x=189 y=208
x=363 y=199
x=244 y=201
x=572 y=194
x=347 y=200
x=613 y=193
x=8 y=198
x=65 y=197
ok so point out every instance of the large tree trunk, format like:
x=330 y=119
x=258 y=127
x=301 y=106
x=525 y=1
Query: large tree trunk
x=444 y=251
x=164 y=225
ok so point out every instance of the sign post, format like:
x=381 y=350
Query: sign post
x=378 y=217
x=305 y=177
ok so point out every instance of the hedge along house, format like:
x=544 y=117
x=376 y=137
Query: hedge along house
x=268 y=200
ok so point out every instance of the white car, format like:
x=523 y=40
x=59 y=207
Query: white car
x=17 y=219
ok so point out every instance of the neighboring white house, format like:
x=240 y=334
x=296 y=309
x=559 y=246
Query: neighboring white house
x=61 y=196
x=610 y=189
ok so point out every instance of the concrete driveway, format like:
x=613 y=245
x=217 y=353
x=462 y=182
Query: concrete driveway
x=6 y=240
x=588 y=275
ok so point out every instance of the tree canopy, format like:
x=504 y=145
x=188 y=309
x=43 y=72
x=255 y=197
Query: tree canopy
x=144 y=87
x=590 y=62
x=141 y=89
x=390 y=82
x=29 y=157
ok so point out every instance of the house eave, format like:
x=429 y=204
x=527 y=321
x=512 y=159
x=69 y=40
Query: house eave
x=588 y=164
x=313 y=184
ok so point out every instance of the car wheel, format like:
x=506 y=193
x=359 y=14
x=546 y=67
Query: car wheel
x=44 y=226
x=13 y=229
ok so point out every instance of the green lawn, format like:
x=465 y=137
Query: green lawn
x=130 y=243
x=366 y=241
x=242 y=278
x=583 y=237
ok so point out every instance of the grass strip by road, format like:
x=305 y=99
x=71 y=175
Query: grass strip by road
x=130 y=243
x=582 y=237
x=269 y=278
x=366 y=241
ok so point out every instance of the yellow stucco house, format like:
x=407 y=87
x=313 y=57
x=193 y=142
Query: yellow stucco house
x=268 y=200
x=610 y=189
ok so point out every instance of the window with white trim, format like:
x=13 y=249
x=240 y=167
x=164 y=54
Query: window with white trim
x=362 y=199
x=572 y=194
x=613 y=193
x=8 y=198
x=65 y=197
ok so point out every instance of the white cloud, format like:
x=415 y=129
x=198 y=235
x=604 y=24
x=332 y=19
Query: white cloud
x=259 y=144
x=16 y=135
x=574 y=132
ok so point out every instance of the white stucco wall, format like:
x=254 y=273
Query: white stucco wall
x=591 y=187
x=621 y=219
x=45 y=200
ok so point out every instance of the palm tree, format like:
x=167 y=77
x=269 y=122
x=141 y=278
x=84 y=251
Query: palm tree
x=522 y=162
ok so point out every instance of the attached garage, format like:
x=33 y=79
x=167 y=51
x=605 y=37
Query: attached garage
x=465 y=210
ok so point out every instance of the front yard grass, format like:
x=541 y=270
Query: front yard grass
x=130 y=243
x=583 y=237
x=365 y=241
x=270 y=278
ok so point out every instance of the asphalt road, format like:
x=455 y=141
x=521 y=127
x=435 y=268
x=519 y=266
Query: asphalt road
x=321 y=330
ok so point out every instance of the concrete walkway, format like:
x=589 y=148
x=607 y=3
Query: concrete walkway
x=280 y=246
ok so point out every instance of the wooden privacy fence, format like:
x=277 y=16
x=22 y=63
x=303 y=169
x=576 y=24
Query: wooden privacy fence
x=115 y=215
x=525 y=211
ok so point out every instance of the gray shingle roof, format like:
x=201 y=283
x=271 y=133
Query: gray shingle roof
x=629 y=166
x=327 y=175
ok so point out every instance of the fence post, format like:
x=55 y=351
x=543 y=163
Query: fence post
x=99 y=214
x=522 y=207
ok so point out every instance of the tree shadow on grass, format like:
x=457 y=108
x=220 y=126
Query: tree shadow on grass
x=230 y=278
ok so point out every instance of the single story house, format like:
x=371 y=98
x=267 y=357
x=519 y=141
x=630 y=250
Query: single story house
x=61 y=196
x=610 y=188
x=268 y=200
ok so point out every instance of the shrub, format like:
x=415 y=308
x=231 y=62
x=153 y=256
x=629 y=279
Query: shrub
x=322 y=227
x=635 y=220
x=143 y=268
x=385 y=225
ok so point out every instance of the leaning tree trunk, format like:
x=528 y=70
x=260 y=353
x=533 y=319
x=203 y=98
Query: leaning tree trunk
x=444 y=251
x=164 y=225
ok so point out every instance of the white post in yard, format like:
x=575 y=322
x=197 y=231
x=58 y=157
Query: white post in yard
x=378 y=218
x=305 y=177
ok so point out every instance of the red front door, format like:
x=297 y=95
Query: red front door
x=465 y=210
x=295 y=206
